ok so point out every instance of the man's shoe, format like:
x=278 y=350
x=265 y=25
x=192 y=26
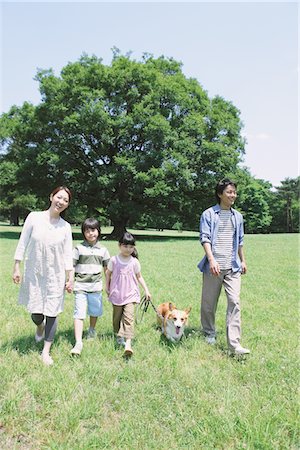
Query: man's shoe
x=240 y=351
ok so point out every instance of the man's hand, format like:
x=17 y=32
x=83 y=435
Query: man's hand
x=214 y=267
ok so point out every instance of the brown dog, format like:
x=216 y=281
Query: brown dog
x=172 y=320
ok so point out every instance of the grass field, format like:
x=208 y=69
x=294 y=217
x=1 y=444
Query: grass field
x=189 y=396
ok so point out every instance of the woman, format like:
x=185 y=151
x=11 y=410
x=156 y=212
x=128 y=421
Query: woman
x=47 y=240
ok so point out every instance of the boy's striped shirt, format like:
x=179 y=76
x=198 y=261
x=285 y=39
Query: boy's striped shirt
x=88 y=261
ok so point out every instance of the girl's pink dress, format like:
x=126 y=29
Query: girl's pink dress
x=124 y=285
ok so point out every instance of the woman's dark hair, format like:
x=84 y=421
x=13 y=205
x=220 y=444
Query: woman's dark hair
x=91 y=223
x=222 y=185
x=62 y=188
x=129 y=239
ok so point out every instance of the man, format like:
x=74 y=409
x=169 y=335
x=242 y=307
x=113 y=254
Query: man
x=221 y=234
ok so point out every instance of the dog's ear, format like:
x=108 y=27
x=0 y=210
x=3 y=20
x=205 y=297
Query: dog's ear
x=171 y=307
x=188 y=310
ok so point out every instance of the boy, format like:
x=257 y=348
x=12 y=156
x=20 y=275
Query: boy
x=222 y=234
x=89 y=258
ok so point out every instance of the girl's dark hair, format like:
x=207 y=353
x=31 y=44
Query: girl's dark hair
x=91 y=223
x=129 y=239
x=222 y=185
x=62 y=188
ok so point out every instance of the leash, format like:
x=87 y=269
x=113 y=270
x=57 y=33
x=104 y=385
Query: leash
x=143 y=307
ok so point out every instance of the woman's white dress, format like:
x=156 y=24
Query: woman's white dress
x=48 y=254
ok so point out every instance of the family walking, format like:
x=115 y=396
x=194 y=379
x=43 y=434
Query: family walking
x=52 y=266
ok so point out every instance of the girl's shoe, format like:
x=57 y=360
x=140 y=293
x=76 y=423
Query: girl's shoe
x=128 y=352
x=46 y=358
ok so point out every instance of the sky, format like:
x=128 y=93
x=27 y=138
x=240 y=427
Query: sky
x=246 y=52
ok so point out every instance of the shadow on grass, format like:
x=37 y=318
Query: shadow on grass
x=27 y=344
x=143 y=237
x=67 y=335
x=23 y=345
x=14 y=235
x=189 y=333
x=10 y=235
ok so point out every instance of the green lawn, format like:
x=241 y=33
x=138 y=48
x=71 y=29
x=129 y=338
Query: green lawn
x=189 y=396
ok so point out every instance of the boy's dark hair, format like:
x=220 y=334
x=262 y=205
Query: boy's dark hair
x=91 y=223
x=222 y=185
x=128 y=239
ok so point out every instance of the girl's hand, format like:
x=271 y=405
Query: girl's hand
x=148 y=295
x=107 y=291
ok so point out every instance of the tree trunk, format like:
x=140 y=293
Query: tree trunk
x=289 y=219
x=119 y=228
x=14 y=218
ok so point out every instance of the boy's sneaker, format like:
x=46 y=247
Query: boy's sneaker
x=91 y=334
x=211 y=340
x=77 y=349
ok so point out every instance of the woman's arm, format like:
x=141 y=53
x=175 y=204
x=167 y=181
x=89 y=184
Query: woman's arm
x=21 y=248
x=68 y=249
x=17 y=272
x=24 y=238
x=69 y=280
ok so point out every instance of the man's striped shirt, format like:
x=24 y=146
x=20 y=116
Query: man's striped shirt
x=224 y=243
x=88 y=261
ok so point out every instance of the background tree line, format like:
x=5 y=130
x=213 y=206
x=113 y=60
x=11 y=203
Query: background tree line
x=139 y=144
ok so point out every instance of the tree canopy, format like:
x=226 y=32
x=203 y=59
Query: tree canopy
x=136 y=141
x=133 y=137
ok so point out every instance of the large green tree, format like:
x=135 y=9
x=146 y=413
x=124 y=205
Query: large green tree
x=253 y=202
x=13 y=202
x=135 y=138
x=284 y=206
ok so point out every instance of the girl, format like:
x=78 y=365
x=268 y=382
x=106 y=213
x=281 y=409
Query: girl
x=122 y=277
x=46 y=239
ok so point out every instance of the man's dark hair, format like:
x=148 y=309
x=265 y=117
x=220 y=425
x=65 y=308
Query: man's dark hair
x=222 y=185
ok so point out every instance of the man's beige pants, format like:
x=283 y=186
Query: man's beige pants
x=211 y=290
